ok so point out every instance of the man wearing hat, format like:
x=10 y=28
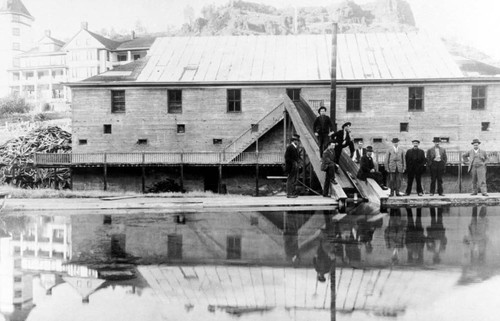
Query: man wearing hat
x=367 y=168
x=477 y=159
x=343 y=139
x=323 y=127
x=328 y=166
x=415 y=166
x=292 y=161
x=395 y=165
x=436 y=161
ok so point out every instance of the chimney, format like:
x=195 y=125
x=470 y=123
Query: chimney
x=47 y=33
x=132 y=34
x=85 y=25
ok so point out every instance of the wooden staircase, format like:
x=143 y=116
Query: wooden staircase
x=250 y=136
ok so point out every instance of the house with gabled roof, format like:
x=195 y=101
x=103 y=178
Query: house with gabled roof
x=232 y=96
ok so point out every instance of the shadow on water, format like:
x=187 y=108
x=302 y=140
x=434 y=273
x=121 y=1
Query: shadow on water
x=221 y=265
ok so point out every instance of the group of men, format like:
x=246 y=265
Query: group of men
x=397 y=161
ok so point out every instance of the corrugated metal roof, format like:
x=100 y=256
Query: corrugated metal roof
x=374 y=56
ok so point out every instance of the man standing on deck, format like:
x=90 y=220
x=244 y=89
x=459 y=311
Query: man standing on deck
x=328 y=166
x=395 y=165
x=343 y=139
x=323 y=127
x=477 y=159
x=436 y=161
x=292 y=164
x=415 y=166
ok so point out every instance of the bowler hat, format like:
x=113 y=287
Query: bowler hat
x=415 y=140
x=436 y=140
x=321 y=107
x=475 y=141
x=346 y=124
x=369 y=149
x=296 y=137
x=395 y=140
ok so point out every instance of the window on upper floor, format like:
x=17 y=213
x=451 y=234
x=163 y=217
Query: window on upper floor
x=485 y=126
x=16 y=18
x=137 y=57
x=234 y=100
x=415 y=98
x=293 y=93
x=174 y=101
x=478 y=97
x=117 y=101
x=233 y=247
x=121 y=57
x=353 y=100
x=16 y=31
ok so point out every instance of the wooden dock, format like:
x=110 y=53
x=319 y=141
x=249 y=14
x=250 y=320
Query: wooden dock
x=463 y=199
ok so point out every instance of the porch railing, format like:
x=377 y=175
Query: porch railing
x=453 y=157
x=160 y=158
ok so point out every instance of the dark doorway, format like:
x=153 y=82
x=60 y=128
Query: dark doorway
x=211 y=179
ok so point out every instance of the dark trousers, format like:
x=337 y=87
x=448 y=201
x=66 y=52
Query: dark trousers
x=412 y=173
x=339 y=148
x=329 y=175
x=437 y=171
x=323 y=140
x=292 y=180
x=377 y=176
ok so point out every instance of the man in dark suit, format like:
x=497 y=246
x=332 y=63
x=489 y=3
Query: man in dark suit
x=367 y=169
x=415 y=166
x=359 y=152
x=328 y=166
x=323 y=127
x=292 y=164
x=436 y=161
x=343 y=139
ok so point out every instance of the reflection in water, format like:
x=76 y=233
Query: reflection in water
x=263 y=265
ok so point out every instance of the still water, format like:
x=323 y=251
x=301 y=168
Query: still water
x=406 y=264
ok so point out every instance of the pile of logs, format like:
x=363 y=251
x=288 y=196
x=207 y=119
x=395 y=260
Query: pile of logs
x=17 y=158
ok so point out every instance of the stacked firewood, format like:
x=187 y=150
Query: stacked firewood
x=17 y=158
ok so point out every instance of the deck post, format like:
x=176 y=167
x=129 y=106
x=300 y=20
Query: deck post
x=333 y=78
x=143 y=176
x=182 y=171
x=71 y=178
x=459 y=177
x=284 y=128
x=257 y=174
x=105 y=173
x=219 y=183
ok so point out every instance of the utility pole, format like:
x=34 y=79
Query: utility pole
x=333 y=78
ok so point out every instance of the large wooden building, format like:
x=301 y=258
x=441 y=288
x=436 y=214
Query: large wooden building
x=223 y=95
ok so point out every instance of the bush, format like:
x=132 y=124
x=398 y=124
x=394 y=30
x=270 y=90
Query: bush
x=13 y=104
x=166 y=185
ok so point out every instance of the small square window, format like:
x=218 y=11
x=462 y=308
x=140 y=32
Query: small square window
x=181 y=128
x=107 y=129
x=137 y=57
x=217 y=141
x=403 y=127
x=107 y=220
x=142 y=142
x=254 y=128
x=357 y=140
x=485 y=126
x=444 y=139
x=82 y=142
x=254 y=221
x=377 y=140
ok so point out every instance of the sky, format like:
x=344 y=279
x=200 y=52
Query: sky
x=470 y=22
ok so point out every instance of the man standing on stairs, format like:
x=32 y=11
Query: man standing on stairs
x=328 y=166
x=292 y=164
x=343 y=139
x=323 y=128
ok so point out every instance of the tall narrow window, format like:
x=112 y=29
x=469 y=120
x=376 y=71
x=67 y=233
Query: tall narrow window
x=293 y=93
x=478 y=97
x=353 y=100
x=416 y=98
x=234 y=100
x=233 y=247
x=117 y=101
x=174 y=101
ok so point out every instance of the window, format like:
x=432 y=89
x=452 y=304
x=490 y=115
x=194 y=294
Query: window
x=403 y=127
x=357 y=140
x=485 y=126
x=121 y=57
x=107 y=220
x=137 y=57
x=181 y=128
x=293 y=93
x=353 y=100
x=254 y=128
x=233 y=247
x=107 y=128
x=82 y=142
x=18 y=279
x=234 y=100
x=174 y=246
x=254 y=221
x=142 y=142
x=377 y=140
x=478 y=97
x=174 y=101
x=18 y=294
x=16 y=31
x=117 y=101
x=415 y=98
x=443 y=139
x=217 y=141
x=15 y=46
